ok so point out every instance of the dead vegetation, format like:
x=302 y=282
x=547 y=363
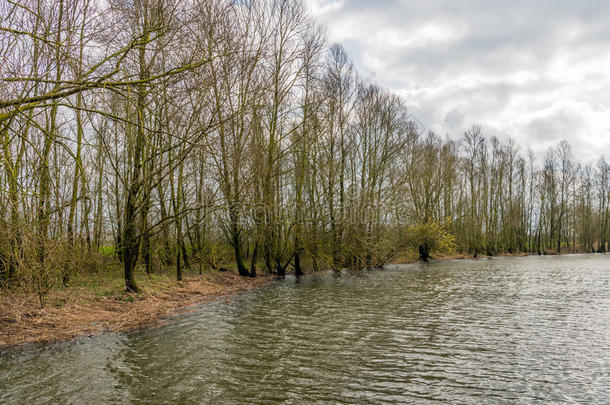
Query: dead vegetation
x=84 y=310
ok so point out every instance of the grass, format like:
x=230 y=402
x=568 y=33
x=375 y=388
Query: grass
x=107 y=250
x=110 y=282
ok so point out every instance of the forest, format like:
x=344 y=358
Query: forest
x=192 y=136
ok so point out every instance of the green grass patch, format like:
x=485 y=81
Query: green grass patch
x=108 y=250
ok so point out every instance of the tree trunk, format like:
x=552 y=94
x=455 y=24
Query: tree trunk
x=424 y=252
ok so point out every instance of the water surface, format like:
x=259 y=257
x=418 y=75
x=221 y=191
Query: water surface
x=505 y=330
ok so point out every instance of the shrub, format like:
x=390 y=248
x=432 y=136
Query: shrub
x=430 y=236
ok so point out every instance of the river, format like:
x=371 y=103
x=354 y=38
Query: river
x=503 y=330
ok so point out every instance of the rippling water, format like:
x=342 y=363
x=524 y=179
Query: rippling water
x=505 y=330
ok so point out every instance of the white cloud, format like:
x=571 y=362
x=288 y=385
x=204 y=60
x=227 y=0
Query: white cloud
x=325 y=6
x=533 y=71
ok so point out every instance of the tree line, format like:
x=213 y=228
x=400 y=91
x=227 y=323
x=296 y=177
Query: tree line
x=181 y=133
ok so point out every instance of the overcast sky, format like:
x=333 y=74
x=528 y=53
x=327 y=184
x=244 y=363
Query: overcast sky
x=536 y=71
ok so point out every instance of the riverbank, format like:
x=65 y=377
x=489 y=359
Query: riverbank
x=98 y=305
x=331 y=330
x=413 y=258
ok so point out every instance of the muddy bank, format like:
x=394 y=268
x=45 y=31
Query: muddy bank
x=98 y=304
x=76 y=312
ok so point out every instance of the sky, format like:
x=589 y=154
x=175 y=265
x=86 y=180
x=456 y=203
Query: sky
x=531 y=70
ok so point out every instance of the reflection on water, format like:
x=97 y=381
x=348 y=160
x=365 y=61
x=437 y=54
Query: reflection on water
x=533 y=329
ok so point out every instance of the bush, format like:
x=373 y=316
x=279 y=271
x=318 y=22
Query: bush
x=430 y=236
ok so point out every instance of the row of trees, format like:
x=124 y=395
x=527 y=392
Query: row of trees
x=178 y=132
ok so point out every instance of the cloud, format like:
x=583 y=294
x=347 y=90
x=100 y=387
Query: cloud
x=535 y=71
